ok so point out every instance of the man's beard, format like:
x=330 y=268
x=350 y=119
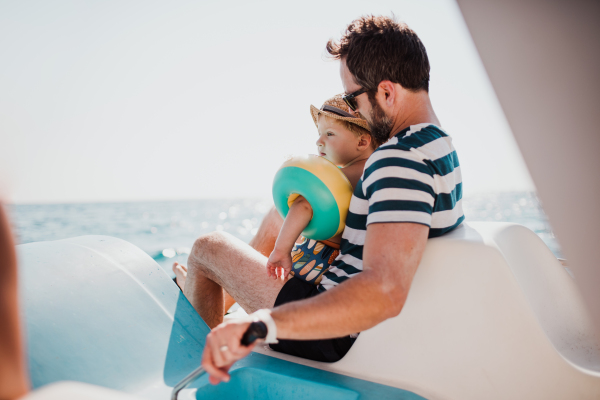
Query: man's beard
x=380 y=124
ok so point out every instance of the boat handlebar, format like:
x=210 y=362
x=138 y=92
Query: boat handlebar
x=256 y=330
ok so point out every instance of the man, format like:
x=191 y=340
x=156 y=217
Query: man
x=410 y=190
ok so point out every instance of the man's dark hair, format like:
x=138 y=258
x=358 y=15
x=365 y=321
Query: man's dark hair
x=379 y=48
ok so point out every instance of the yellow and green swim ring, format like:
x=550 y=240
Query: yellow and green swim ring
x=323 y=185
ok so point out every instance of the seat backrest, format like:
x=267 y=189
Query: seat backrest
x=491 y=314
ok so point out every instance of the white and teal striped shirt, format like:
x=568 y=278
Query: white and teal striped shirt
x=413 y=177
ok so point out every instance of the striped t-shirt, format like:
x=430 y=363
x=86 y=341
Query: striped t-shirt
x=413 y=177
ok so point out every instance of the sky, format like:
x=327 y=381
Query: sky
x=150 y=100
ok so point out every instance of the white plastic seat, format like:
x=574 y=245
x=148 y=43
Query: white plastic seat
x=491 y=314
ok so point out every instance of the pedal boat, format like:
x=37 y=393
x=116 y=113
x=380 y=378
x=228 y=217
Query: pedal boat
x=492 y=314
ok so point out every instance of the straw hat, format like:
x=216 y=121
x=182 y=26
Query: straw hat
x=337 y=108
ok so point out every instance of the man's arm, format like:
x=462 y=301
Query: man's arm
x=392 y=253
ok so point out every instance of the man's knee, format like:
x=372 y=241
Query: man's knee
x=208 y=245
x=264 y=240
x=274 y=220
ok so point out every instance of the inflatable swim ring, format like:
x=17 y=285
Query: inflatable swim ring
x=323 y=185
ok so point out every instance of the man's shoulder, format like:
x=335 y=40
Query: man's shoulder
x=414 y=136
x=406 y=145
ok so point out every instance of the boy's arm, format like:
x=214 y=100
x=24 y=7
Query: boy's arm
x=298 y=217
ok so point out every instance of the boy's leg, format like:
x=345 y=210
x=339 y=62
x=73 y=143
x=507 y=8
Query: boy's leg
x=219 y=261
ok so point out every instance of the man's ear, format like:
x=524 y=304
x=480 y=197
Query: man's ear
x=388 y=91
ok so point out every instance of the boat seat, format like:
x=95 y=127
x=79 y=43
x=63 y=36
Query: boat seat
x=491 y=314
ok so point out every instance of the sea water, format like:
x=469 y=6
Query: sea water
x=166 y=230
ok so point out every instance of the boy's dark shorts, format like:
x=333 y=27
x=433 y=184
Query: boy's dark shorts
x=327 y=350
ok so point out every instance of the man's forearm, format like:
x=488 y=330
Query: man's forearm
x=353 y=306
x=391 y=255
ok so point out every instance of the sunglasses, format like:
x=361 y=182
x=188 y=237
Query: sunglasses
x=350 y=99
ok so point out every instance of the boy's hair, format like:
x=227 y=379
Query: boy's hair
x=379 y=48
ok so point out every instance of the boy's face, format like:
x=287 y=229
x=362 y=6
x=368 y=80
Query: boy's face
x=336 y=143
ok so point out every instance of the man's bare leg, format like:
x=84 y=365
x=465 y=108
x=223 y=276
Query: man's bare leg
x=220 y=263
x=180 y=276
x=263 y=242
x=180 y=271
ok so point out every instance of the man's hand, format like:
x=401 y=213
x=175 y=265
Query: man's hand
x=223 y=348
x=279 y=264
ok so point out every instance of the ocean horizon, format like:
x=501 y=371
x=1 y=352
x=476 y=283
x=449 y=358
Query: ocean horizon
x=166 y=230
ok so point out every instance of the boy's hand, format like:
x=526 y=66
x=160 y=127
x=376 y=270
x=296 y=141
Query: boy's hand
x=279 y=264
